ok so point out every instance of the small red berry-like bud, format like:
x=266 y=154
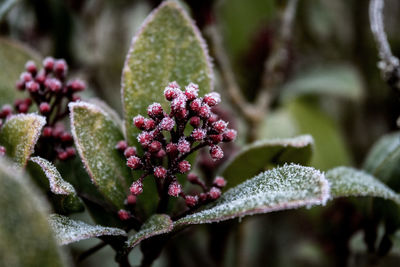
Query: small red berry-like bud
x=178 y=103
x=183 y=146
x=136 y=188
x=48 y=63
x=155 y=110
x=184 y=166
x=191 y=91
x=66 y=137
x=229 y=135
x=203 y=197
x=167 y=124
x=144 y=138
x=70 y=151
x=171 y=148
x=27 y=101
x=53 y=84
x=58 y=131
x=195 y=121
x=2 y=150
x=138 y=121
x=219 y=181
x=216 y=138
x=44 y=107
x=214 y=193
x=76 y=85
x=174 y=189
x=23 y=108
x=30 y=67
x=121 y=145
x=149 y=124
x=134 y=162
x=198 y=134
x=204 y=111
x=40 y=77
x=161 y=153
x=18 y=102
x=75 y=98
x=220 y=126
x=47 y=131
x=20 y=85
x=191 y=201
x=181 y=114
x=171 y=93
x=62 y=155
x=195 y=105
x=124 y=215
x=6 y=110
x=212 y=99
x=193 y=178
x=130 y=151
x=174 y=85
x=32 y=86
x=216 y=152
x=154 y=146
x=60 y=67
x=213 y=118
x=160 y=172
x=131 y=200
x=26 y=77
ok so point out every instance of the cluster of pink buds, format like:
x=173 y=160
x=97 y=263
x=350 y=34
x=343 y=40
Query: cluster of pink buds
x=166 y=143
x=51 y=93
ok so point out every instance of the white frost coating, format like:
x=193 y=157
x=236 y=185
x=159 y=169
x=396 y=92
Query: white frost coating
x=346 y=182
x=68 y=231
x=57 y=184
x=107 y=109
x=288 y=187
x=157 y=224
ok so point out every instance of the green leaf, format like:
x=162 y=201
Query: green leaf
x=335 y=80
x=167 y=48
x=156 y=225
x=26 y=239
x=111 y=112
x=69 y=199
x=287 y=187
x=19 y=135
x=96 y=134
x=347 y=182
x=266 y=153
x=13 y=57
x=68 y=231
x=383 y=161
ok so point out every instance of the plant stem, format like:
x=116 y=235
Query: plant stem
x=91 y=251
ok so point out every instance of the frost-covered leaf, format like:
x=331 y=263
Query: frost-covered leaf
x=287 y=187
x=58 y=186
x=109 y=110
x=336 y=80
x=266 y=153
x=19 y=135
x=168 y=47
x=69 y=231
x=383 y=161
x=156 y=225
x=13 y=57
x=347 y=182
x=96 y=134
x=26 y=239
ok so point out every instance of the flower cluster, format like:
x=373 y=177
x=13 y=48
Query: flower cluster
x=166 y=143
x=51 y=93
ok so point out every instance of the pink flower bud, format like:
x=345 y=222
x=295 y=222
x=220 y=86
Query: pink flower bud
x=121 y=145
x=6 y=110
x=203 y=197
x=212 y=99
x=181 y=114
x=66 y=137
x=216 y=152
x=136 y=188
x=134 y=162
x=183 y=146
x=40 y=77
x=60 y=67
x=191 y=91
x=216 y=138
x=198 y=134
x=174 y=85
x=32 y=86
x=220 y=126
x=171 y=148
x=193 y=178
x=144 y=138
x=76 y=85
x=131 y=200
x=138 y=121
x=213 y=118
x=167 y=124
x=124 y=215
x=44 y=107
x=70 y=151
x=26 y=77
x=2 y=151
x=30 y=67
x=47 y=131
x=154 y=146
x=229 y=135
x=160 y=172
x=53 y=84
x=130 y=151
x=184 y=166
x=191 y=201
x=195 y=121
x=62 y=155
x=155 y=110
x=23 y=108
x=204 y=111
x=48 y=63
x=174 y=189
x=214 y=193
x=178 y=103
x=20 y=85
x=171 y=93
x=149 y=124
x=161 y=153
x=219 y=181
x=195 y=105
